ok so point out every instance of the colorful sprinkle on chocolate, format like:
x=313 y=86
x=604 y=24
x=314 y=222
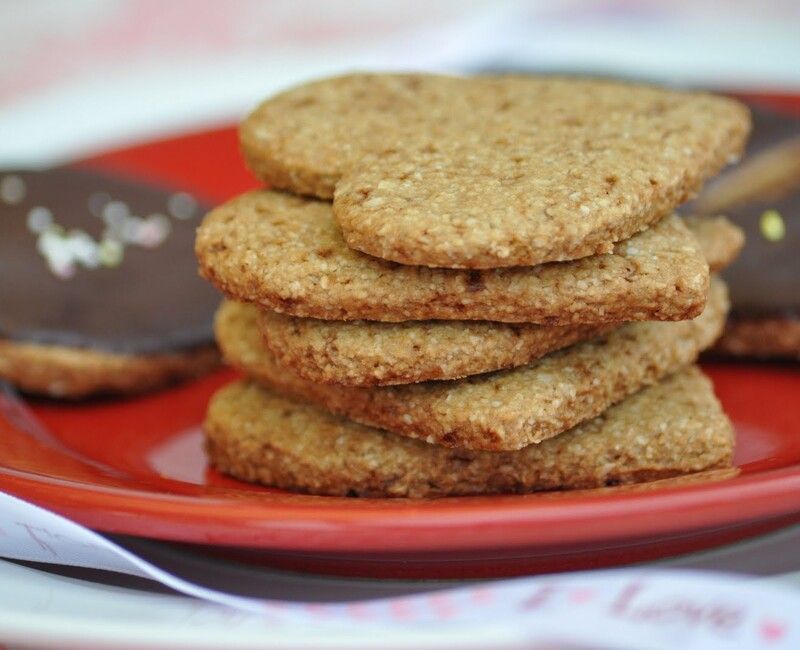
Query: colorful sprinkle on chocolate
x=772 y=226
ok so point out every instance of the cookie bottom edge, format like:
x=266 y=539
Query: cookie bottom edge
x=75 y=373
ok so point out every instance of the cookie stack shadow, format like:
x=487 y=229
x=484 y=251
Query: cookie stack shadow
x=469 y=286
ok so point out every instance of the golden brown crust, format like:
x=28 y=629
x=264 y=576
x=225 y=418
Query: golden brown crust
x=370 y=353
x=287 y=254
x=74 y=373
x=367 y=353
x=491 y=172
x=720 y=240
x=762 y=338
x=496 y=411
x=672 y=428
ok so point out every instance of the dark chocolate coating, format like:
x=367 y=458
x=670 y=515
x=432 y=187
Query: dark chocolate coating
x=153 y=302
x=765 y=280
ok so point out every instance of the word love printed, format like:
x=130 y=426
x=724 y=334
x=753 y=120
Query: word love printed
x=624 y=608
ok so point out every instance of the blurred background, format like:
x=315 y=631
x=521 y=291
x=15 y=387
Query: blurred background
x=77 y=76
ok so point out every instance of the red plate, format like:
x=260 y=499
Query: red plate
x=135 y=466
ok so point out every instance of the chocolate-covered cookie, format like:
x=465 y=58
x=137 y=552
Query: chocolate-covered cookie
x=762 y=195
x=95 y=263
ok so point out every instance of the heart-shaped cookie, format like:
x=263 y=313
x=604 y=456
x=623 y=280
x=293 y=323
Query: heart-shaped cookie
x=489 y=172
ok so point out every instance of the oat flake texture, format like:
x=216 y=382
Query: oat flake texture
x=488 y=172
x=287 y=253
x=673 y=428
x=498 y=411
x=371 y=353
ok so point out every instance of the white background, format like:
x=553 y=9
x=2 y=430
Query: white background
x=76 y=75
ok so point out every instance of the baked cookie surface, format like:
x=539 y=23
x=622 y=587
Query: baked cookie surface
x=673 y=428
x=761 y=338
x=720 y=240
x=286 y=253
x=74 y=373
x=370 y=353
x=496 y=411
x=488 y=172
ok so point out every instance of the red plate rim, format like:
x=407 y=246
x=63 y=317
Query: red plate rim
x=373 y=525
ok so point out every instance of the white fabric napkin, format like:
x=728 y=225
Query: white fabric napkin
x=625 y=608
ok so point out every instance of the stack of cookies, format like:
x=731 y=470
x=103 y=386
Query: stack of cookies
x=471 y=285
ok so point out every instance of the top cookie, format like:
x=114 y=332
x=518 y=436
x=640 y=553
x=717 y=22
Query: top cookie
x=491 y=172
